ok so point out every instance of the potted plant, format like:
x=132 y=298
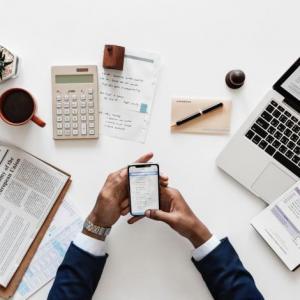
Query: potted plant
x=8 y=64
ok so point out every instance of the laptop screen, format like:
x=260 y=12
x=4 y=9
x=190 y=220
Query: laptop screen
x=288 y=86
x=292 y=84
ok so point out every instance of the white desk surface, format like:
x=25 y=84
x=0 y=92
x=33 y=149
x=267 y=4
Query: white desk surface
x=199 y=41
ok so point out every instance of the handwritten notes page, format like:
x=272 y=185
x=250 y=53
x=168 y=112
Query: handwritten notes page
x=127 y=96
x=64 y=227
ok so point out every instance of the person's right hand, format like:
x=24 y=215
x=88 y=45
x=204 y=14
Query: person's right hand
x=179 y=216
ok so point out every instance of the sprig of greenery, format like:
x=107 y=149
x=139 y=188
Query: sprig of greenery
x=3 y=63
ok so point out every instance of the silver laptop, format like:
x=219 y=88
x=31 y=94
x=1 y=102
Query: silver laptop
x=264 y=155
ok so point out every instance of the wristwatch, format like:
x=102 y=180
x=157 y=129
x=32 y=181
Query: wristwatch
x=98 y=230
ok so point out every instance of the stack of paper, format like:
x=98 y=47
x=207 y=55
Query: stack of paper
x=127 y=96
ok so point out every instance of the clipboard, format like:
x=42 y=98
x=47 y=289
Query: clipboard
x=9 y=291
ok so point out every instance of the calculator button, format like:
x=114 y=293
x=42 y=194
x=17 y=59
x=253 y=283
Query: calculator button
x=58 y=97
x=83 y=118
x=67 y=119
x=91 y=118
x=59 y=126
x=90 y=97
x=83 y=104
x=74 y=104
x=66 y=105
x=83 y=128
x=67 y=125
x=75 y=132
x=59 y=132
x=83 y=111
x=74 y=111
x=66 y=97
x=75 y=125
x=90 y=91
x=91 y=125
x=91 y=111
x=92 y=131
x=67 y=132
x=58 y=105
x=67 y=111
x=91 y=104
x=75 y=118
x=59 y=118
x=74 y=97
x=82 y=97
x=58 y=111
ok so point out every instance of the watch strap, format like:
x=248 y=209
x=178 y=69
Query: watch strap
x=98 y=230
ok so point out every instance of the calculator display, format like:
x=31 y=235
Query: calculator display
x=88 y=78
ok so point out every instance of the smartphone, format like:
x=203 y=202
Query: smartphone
x=143 y=185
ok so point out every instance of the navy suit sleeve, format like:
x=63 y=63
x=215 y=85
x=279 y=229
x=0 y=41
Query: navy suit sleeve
x=225 y=275
x=78 y=275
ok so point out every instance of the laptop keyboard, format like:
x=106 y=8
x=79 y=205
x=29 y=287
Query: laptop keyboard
x=277 y=132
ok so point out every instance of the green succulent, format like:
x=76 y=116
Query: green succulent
x=3 y=63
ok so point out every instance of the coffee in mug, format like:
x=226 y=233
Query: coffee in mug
x=17 y=107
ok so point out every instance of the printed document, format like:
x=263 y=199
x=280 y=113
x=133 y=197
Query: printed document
x=279 y=225
x=127 y=96
x=64 y=227
x=28 y=190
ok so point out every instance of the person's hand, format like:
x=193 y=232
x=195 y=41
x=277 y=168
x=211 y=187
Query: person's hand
x=113 y=199
x=178 y=215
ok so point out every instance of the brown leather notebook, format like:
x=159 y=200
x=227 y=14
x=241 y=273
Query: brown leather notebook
x=16 y=279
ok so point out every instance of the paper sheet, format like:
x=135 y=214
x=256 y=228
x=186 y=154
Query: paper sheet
x=126 y=97
x=279 y=225
x=64 y=227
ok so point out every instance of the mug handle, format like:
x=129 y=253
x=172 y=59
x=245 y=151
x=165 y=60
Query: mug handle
x=38 y=121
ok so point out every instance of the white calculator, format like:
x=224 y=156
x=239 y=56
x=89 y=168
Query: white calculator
x=75 y=102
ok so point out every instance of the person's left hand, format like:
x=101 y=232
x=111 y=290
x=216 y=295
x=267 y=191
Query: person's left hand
x=113 y=199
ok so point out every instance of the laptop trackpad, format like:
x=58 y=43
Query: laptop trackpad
x=271 y=183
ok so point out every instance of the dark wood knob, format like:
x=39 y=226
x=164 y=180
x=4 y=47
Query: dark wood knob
x=113 y=57
x=235 y=79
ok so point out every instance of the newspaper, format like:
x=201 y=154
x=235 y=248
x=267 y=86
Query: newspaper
x=28 y=190
x=50 y=254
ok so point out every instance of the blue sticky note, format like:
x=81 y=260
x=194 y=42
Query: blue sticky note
x=143 y=108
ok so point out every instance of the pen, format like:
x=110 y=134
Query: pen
x=198 y=114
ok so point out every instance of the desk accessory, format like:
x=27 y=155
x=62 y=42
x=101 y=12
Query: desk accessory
x=8 y=64
x=18 y=107
x=217 y=121
x=198 y=114
x=235 y=79
x=75 y=102
x=113 y=57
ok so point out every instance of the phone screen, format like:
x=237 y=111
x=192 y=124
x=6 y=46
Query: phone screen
x=144 y=188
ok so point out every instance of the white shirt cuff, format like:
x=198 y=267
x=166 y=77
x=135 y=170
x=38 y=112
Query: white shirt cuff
x=206 y=248
x=90 y=245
